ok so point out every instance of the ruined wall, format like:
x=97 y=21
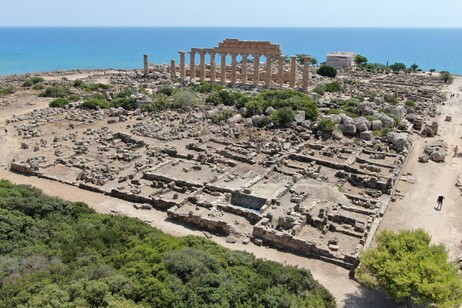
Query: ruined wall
x=248 y=201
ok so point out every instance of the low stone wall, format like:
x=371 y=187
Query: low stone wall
x=287 y=242
x=202 y=222
x=247 y=200
x=23 y=169
x=252 y=216
x=156 y=203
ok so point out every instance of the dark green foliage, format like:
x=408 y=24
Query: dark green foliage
x=160 y=102
x=55 y=253
x=27 y=83
x=392 y=100
x=228 y=98
x=38 y=87
x=32 y=81
x=411 y=269
x=222 y=115
x=124 y=100
x=59 y=102
x=166 y=91
x=301 y=59
x=6 y=91
x=207 y=87
x=283 y=117
x=432 y=70
x=78 y=83
x=96 y=101
x=447 y=77
x=333 y=86
x=320 y=89
x=396 y=67
x=359 y=59
x=410 y=103
x=373 y=67
x=326 y=126
x=98 y=86
x=414 y=67
x=55 y=91
x=327 y=71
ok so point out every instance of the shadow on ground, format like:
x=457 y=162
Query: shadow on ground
x=367 y=298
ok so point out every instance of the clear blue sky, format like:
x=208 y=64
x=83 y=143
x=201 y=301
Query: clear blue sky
x=253 y=13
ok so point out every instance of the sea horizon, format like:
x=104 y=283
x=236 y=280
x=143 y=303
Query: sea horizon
x=30 y=49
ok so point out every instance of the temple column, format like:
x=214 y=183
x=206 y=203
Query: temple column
x=256 y=69
x=192 y=65
x=269 y=71
x=293 y=71
x=202 y=65
x=281 y=71
x=244 y=68
x=223 y=67
x=306 y=72
x=146 y=66
x=182 y=66
x=212 y=66
x=233 y=68
x=173 y=68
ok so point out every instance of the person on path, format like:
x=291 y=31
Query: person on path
x=439 y=202
x=456 y=149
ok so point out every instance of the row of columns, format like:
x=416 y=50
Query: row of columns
x=244 y=73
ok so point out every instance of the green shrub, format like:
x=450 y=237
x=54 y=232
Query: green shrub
x=334 y=111
x=184 y=100
x=78 y=83
x=327 y=71
x=333 y=87
x=59 y=102
x=396 y=67
x=6 y=91
x=447 y=77
x=320 y=89
x=55 y=91
x=393 y=100
x=98 y=86
x=222 y=115
x=37 y=79
x=73 y=97
x=283 y=117
x=166 y=91
x=227 y=98
x=38 y=87
x=410 y=103
x=326 y=126
x=207 y=87
x=96 y=103
x=27 y=83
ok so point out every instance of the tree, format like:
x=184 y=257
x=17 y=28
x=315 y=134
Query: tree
x=359 y=59
x=283 y=117
x=327 y=71
x=396 y=67
x=301 y=58
x=411 y=269
x=447 y=77
x=414 y=67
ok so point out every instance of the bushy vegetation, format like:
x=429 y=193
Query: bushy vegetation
x=283 y=117
x=59 y=103
x=228 y=98
x=447 y=77
x=184 y=100
x=34 y=80
x=397 y=66
x=95 y=101
x=207 y=87
x=166 y=91
x=56 y=91
x=410 y=103
x=7 y=90
x=124 y=100
x=326 y=126
x=411 y=270
x=222 y=116
x=327 y=71
x=55 y=253
x=359 y=59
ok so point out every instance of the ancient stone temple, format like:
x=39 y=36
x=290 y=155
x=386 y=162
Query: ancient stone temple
x=248 y=70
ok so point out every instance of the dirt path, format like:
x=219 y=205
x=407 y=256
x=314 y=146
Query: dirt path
x=416 y=209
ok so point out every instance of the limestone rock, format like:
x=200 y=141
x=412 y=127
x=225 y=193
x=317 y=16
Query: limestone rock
x=376 y=125
x=366 y=135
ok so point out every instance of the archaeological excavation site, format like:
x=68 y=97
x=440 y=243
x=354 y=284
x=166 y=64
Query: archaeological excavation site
x=270 y=153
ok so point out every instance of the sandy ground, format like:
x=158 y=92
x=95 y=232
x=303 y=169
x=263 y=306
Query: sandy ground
x=416 y=209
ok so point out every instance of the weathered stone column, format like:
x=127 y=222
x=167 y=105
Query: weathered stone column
x=269 y=71
x=212 y=66
x=233 y=68
x=256 y=69
x=192 y=65
x=293 y=71
x=281 y=71
x=244 y=68
x=146 y=66
x=223 y=67
x=173 y=68
x=202 y=64
x=306 y=72
x=182 y=66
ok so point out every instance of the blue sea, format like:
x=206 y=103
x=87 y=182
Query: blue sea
x=25 y=50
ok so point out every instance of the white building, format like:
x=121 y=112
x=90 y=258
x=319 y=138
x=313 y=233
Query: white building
x=341 y=59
